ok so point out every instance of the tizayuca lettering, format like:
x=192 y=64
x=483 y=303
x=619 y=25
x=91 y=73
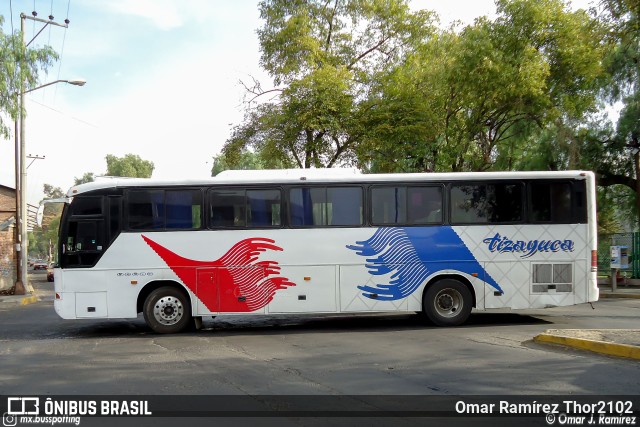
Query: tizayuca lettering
x=529 y=248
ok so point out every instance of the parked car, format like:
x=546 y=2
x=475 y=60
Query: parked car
x=40 y=265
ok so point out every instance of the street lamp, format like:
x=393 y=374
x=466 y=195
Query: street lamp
x=21 y=192
x=78 y=82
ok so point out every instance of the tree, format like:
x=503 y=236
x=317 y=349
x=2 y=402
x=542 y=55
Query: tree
x=323 y=58
x=131 y=165
x=46 y=235
x=87 y=177
x=614 y=151
x=247 y=160
x=12 y=75
x=466 y=100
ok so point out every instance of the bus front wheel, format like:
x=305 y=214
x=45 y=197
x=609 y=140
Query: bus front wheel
x=447 y=302
x=167 y=310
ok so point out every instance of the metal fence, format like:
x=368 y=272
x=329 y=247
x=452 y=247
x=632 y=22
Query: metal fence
x=630 y=240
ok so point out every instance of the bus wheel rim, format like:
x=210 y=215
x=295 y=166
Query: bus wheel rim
x=168 y=310
x=448 y=302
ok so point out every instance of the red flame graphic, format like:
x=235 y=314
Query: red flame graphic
x=237 y=282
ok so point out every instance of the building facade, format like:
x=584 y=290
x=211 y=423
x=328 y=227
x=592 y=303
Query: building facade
x=7 y=239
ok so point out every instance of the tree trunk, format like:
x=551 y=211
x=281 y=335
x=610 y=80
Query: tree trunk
x=636 y=164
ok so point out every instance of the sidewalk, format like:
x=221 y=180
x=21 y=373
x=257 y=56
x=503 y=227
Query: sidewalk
x=29 y=298
x=622 y=291
x=612 y=342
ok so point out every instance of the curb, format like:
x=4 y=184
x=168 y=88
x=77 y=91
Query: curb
x=17 y=300
x=618 y=295
x=29 y=300
x=602 y=347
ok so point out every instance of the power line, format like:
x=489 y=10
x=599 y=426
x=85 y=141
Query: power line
x=65 y=114
x=64 y=38
x=11 y=15
x=51 y=18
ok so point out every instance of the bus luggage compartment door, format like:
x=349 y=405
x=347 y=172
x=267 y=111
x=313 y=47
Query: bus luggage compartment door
x=91 y=304
x=230 y=290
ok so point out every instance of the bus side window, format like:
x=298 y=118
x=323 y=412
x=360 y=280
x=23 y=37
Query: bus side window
x=227 y=208
x=388 y=205
x=263 y=208
x=307 y=206
x=550 y=202
x=145 y=209
x=326 y=206
x=345 y=205
x=425 y=205
x=486 y=203
x=183 y=209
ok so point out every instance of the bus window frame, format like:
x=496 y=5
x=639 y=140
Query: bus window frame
x=210 y=189
x=125 y=228
x=443 y=198
x=523 y=201
x=363 y=197
x=67 y=218
x=574 y=217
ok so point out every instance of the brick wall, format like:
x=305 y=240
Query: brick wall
x=7 y=202
x=7 y=260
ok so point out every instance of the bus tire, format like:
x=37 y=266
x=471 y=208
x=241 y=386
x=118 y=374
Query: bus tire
x=167 y=310
x=447 y=302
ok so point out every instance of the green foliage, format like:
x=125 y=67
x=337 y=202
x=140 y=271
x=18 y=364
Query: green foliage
x=15 y=79
x=616 y=209
x=326 y=56
x=613 y=151
x=47 y=234
x=470 y=99
x=372 y=84
x=247 y=160
x=87 y=177
x=51 y=192
x=131 y=165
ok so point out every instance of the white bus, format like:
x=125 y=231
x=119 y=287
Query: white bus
x=326 y=241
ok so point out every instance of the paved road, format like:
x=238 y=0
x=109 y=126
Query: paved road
x=364 y=354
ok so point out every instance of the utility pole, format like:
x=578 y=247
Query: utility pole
x=22 y=283
x=17 y=229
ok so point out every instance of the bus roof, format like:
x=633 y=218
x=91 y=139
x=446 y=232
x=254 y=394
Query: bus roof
x=292 y=176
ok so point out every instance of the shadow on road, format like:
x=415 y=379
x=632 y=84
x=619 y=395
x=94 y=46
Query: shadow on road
x=266 y=325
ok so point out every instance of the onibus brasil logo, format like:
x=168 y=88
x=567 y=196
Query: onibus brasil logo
x=53 y=411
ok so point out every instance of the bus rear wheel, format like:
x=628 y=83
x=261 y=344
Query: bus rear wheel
x=167 y=310
x=447 y=302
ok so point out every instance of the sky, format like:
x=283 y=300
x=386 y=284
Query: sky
x=163 y=82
